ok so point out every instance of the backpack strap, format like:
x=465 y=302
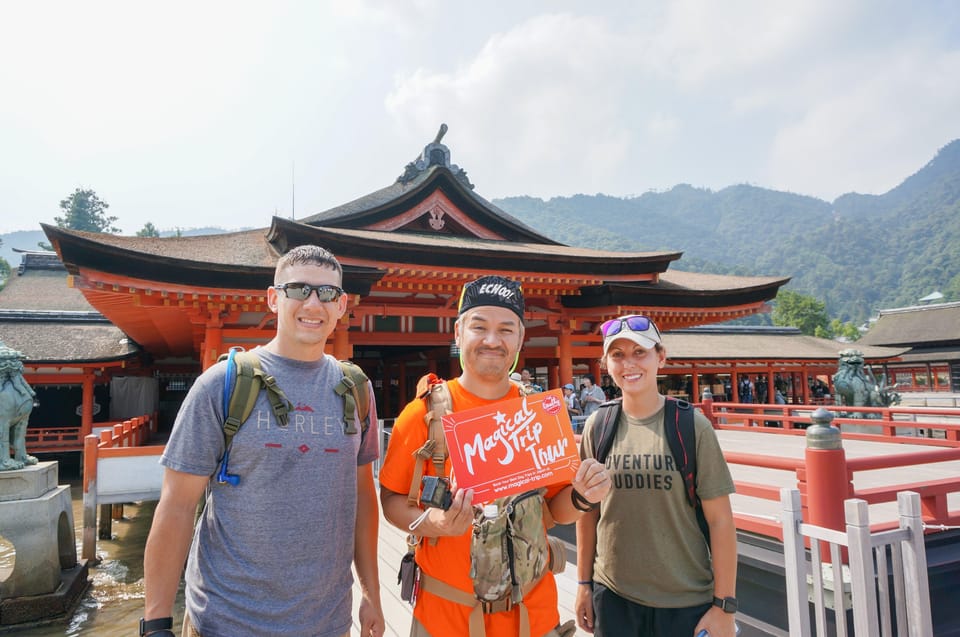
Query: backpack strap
x=681 y=436
x=478 y=608
x=242 y=384
x=605 y=428
x=435 y=392
x=354 y=390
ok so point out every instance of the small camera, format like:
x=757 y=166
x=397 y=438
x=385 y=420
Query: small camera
x=435 y=492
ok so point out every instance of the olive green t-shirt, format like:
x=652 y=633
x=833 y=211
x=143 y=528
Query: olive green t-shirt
x=649 y=547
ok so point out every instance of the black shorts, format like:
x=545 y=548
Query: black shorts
x=615 y=616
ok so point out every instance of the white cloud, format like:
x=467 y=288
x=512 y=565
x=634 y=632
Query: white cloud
x=539 y=104
x=187 y=114
x=701 y=42
x=873 y=130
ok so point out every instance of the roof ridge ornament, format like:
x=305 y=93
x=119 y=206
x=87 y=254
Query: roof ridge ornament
x=434 y=154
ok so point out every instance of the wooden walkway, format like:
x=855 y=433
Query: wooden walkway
x=392 y=543
x=392 y=546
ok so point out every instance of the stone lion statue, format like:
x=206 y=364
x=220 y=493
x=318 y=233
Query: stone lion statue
x=16 y=403
x=856 y=386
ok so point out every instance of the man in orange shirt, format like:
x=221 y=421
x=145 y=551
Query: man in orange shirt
x=489 y=332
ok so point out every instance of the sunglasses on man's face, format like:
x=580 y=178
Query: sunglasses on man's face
x=635 y=323
x=301 y=291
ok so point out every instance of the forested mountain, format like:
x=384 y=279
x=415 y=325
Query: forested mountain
x=859 y=254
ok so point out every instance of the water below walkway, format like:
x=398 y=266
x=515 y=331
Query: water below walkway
x=113 y=603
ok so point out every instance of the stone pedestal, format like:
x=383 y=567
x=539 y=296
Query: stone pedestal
x=36 y=517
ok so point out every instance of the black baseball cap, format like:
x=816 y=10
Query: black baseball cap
x=492 y=290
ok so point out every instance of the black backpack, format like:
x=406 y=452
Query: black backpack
x=681 y=436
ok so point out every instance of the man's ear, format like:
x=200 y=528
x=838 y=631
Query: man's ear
x=272 y=299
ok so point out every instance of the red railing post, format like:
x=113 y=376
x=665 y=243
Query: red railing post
x=827 y=477
x=889 y=428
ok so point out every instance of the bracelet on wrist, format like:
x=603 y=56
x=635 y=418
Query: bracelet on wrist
x=580 y=503
x=588 y=582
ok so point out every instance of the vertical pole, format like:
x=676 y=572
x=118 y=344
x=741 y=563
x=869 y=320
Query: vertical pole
x=89 y=551
x=915 y=566
x=707 y=406
x=798 y=612
x=827 y=478
x=862 y=582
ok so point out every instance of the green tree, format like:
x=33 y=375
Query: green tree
x=148 y=230
x=847 y=330
x=83 y=210
x=801 y=311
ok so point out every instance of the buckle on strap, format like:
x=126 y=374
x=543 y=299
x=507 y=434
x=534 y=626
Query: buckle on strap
x=498 y=606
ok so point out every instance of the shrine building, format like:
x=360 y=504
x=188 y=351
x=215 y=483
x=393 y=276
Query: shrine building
x=177 y=303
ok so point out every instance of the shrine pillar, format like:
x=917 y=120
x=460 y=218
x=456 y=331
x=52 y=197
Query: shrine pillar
x=553 y=377
x=342 y=350
x=565 y=355
x=595 y=370
x=86 y=407
x=212 y=343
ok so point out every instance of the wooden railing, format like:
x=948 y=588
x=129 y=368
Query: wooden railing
x=118 y=467
x=64 y=439
x=54 y=439
x=825 y=477
x=931 y=426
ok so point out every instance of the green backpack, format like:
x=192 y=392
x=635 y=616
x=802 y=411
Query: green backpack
x=244 y=380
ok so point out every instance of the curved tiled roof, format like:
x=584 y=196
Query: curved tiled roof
x=754 y=344
x=245 y=248
x=42 y=290
x=400 y=192
x=472 y=245
x=694 y=282
x=919 y=325
x=77 y=341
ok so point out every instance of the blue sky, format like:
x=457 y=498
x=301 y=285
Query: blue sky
x=189 y=114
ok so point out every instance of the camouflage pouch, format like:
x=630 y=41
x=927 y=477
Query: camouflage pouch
x=509 y=551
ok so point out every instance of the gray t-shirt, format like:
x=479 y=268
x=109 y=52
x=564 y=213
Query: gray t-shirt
x=272 y=555
x=590 y=406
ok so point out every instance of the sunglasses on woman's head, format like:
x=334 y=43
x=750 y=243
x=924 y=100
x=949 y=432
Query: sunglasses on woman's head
x=634 y=323
x=301 y=291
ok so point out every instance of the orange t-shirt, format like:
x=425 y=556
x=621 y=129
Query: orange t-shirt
x=449 y=559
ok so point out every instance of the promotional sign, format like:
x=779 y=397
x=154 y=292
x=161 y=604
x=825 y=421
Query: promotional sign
x=512 y=446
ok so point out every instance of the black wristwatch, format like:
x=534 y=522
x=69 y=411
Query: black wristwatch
x=153 y=625
x=726 y=604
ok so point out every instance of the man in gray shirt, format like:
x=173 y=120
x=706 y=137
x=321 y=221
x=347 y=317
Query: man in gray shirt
x=272 y=551
x=592 y=395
